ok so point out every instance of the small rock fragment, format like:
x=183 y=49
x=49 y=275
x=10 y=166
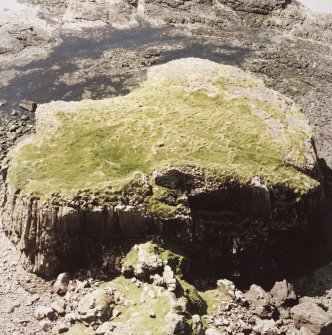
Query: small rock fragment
x=28 y=105
x=42 y=312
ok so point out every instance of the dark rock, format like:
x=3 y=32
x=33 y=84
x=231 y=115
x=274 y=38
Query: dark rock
x=175 y=178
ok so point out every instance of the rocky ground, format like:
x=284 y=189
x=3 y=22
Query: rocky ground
x=152 y=295
x=294 y=59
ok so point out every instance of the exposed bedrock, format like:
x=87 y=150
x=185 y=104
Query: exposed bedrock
x=236 y=227
x=224 y=167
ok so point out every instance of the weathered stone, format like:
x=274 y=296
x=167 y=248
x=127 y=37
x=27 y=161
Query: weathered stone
x=28 y=105
x=197 y=325
x=59 y=307
x=42 y=312
x=104 y=328
x=175 y=323
x=227 y=287
x=61 y=284
x=283 y=294
x=169 y=278
x=212 y=331
x=313 y=317
x=96 y=306
x=266 y=327
x=259 y=301
x=312 y=300
x=45 y=325
x=142 y=261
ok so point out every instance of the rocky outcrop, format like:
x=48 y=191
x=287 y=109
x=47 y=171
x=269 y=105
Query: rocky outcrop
x=256 y=6
x=223 y=207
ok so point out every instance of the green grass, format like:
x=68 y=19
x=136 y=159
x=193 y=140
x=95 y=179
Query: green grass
x=214 y=299
x=79 y=329
x=137 y=313
x=105 y=144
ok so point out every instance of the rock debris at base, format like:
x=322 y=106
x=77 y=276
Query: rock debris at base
x=30 y=305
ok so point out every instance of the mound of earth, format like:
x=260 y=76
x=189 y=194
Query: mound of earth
x=202 y=154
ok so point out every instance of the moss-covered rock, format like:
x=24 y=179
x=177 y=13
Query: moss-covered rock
x=196 y=148
x=209 y=119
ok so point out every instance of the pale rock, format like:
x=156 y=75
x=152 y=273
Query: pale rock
x=96 y=306
x=226 y=287
x=169 y=278
x=283 y=294
x=59 y=306
x=61 y=284
x=312 y=317
x=45 y=325
x=175 y=323
x=42 y=312
x=212 y=331
x=266 y=327
x=104 y=328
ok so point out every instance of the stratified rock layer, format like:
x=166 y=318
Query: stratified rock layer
x=201 y=153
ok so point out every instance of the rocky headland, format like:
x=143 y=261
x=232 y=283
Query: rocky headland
x=152 y=175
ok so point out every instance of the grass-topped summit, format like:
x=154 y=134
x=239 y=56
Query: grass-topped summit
x=189 y=113
x=200 y=153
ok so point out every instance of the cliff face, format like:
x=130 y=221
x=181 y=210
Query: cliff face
x=201 y=154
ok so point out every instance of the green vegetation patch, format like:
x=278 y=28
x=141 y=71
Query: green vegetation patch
x=80 y=329
x=171 y=257
x=136 y=313
x=214 y=300
x=105 y=144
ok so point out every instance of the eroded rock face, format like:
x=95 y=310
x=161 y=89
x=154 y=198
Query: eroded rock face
x=220 y=205
x=256 y=6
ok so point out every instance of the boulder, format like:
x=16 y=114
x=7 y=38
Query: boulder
x=283 y=294
x=59 y=307
x=197 y=325
x=96 y=306
x=312 y=317
x=259 y=301
x=212 y=331
x=61 y=284
x=104 y=328
x=312 y=300
x=175 y=324
x=169 y=278
x=266 y=327
x=142 y=261
x=227 y=287
x=28 y=105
